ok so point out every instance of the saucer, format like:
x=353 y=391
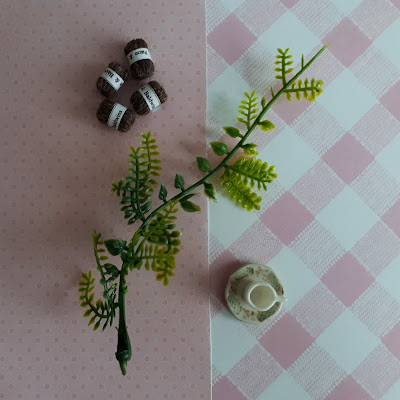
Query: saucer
x=240 y=309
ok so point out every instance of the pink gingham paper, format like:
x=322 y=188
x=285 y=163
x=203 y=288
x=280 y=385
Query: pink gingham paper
x=57 y=165
x=330 y=224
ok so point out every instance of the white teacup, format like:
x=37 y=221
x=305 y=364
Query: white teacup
x=261 y=296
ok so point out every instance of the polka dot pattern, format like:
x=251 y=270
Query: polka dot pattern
x=57 y=164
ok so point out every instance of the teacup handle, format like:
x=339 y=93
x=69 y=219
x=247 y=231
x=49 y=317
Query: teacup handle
x=280 y=299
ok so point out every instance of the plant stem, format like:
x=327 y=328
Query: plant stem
x=240 y=143
x=283 y=70
x=138 y=208
x=124 y=350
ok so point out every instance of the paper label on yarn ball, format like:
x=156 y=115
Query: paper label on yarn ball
x=150 y=97
x=116 y=115
x=138 y=54
x=112 y=78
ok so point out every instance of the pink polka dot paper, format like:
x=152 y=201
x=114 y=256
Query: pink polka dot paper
x=57 y=164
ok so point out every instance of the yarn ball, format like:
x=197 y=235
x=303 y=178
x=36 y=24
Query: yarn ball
x=143 y=68
x=104 y=111
x=104 y=87
x=139 y=103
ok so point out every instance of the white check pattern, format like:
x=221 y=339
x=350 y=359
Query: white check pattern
x=330 y=224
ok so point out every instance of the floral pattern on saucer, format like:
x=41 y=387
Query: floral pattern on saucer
x=239 y=307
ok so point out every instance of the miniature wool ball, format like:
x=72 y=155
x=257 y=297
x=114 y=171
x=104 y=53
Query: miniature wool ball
x=115 y=115
x=112 y=79
x=148 y=98
x=140 y=62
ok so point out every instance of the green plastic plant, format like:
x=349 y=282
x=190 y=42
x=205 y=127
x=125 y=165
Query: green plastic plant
x=156 y=242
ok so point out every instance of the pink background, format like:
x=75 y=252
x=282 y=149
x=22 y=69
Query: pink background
x=58 y=162
x=57 y=165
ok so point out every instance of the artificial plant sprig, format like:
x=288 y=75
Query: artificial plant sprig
x=156 y=242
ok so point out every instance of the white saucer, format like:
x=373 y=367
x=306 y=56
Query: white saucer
x=240 y=309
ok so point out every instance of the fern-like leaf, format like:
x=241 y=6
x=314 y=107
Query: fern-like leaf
x=310 y=90
x=150 y=153
x=137 y=188
x=241 y=193
x=109 y=273
x=251 y=172
x=248 y=109
x=283 y=62
x=164 y=270
x=161 y=229
x=98 y=310
x=161 y=259
x=160 y=244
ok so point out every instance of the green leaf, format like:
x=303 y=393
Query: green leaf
x=96 y=325
x=162 y=195
x=162 y=243
x=263 y=102
x=209 y=191
x=111 y=269
x=115 y=246
x=136 y=191
x=165 y=270
x=310 y=91
x=266 y=125
x=219 y=148
x=231 y=131
x=282 y=62
x=241 y=193
x=250 y=149
x=87 y=312
x=251 y=171
x=188 y=206
x=179 y=182
x=203 y=164
x=248 y=108
x=117 y=187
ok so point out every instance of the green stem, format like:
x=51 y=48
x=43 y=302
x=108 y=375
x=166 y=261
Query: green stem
x=305 y=89
x=283 y=70
x=124 y=350
x=244 y=173
x=239 y=145
x=138 y=209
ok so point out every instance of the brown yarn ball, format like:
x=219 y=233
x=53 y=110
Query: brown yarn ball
x=104 y=111
x=104 y=87
x=143 y=68
x=138 y=102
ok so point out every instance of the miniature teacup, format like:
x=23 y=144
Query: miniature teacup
x=261 y=296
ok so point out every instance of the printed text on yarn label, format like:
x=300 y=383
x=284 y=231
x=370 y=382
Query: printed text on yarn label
x=112 y=78
x=116 y=115
x=150 y=97
x=138 y=54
